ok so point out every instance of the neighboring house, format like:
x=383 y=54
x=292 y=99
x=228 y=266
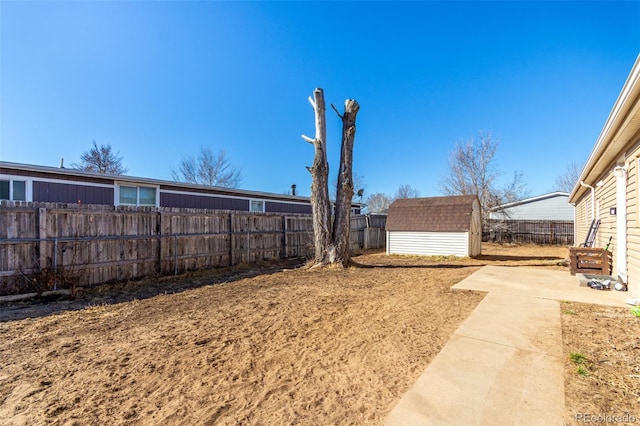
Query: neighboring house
x=553 y=206
x=435 y=226
x=609 y=186
x=24 y=182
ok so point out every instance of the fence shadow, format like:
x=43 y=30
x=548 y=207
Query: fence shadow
x=122 y=292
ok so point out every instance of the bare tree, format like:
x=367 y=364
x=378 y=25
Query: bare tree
x=101 y=159
x=359 y=186
x=406 y=191
x=377 y=203
x=332 y=240
x=567 y=180
x=473 y=171
x=209 y=168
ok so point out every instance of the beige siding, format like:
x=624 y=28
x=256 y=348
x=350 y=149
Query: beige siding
x=605 y=201
x=583 y=219
x=605 y=196
x=633 y=221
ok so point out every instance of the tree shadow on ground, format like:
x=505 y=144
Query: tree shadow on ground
x=146 y=288
x=400 y=266
x=507 y=258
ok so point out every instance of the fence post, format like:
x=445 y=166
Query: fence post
x=284 y=237
x=175 y=254
x=232 y=241
x=248 y=239
x=42 y=236
x=160 y=242
x=55 y=254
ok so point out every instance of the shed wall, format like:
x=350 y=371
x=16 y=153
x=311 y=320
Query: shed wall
x=428 y=243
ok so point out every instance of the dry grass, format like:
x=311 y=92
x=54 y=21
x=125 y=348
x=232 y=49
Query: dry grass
x=607 y=382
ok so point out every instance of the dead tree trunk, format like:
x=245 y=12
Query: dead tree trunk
x=332 y=247
x=320 y=205
x=339 y=250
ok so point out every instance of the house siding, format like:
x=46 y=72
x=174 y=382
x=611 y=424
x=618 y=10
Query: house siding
x=275 y=207
x=633 y=225
x=605 y=200
x=202 y=202
x=582 y=219
x=617 y=146
x=555 y=207
x=428 y=243
x=51 y=192
x=57 y=185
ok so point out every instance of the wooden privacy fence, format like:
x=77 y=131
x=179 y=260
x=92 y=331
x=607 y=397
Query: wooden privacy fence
x=368 y=232
x=96 y=244
x=529 y=231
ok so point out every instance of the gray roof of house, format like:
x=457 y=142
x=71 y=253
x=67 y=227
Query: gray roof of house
x=432 y=214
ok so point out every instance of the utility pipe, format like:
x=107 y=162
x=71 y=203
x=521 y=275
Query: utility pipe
x=593 y=198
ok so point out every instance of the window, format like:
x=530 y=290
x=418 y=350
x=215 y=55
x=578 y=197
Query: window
x=256 y=206
x=147 y=196
x=129 y=195
x=137 y=195
x=14 y=190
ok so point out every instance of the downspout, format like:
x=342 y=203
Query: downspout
x=593 y=198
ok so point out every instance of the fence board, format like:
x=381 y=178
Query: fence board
x=530 y=231
x=99 y=243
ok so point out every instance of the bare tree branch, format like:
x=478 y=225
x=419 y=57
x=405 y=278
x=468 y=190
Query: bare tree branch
x=406 y=191
x=308 y=139
x=209 y=168
x=336 y=110
x=569 y=178
x=101 y=159
x=378 y=203
x=472 y=171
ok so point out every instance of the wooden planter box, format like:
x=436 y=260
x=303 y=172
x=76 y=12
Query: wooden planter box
x=590 y=261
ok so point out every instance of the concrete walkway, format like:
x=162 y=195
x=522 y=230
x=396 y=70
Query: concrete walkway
x=504 y=364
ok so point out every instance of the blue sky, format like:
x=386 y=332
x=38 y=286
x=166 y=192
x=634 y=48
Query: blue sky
x=159 y=79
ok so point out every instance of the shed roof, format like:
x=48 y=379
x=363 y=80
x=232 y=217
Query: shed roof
x=433 y=214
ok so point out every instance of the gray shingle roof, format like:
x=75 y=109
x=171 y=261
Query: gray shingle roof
x=433 y=214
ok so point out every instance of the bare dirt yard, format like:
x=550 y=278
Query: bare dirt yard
x=602 y=364
x=274 y=344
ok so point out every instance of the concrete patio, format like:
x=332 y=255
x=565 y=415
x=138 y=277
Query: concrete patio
x=504 y=364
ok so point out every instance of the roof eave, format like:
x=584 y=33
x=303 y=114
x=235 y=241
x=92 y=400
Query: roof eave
x=156 y=182
x=611 y=140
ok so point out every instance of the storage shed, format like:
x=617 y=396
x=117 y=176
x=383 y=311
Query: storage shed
x=435 y=226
